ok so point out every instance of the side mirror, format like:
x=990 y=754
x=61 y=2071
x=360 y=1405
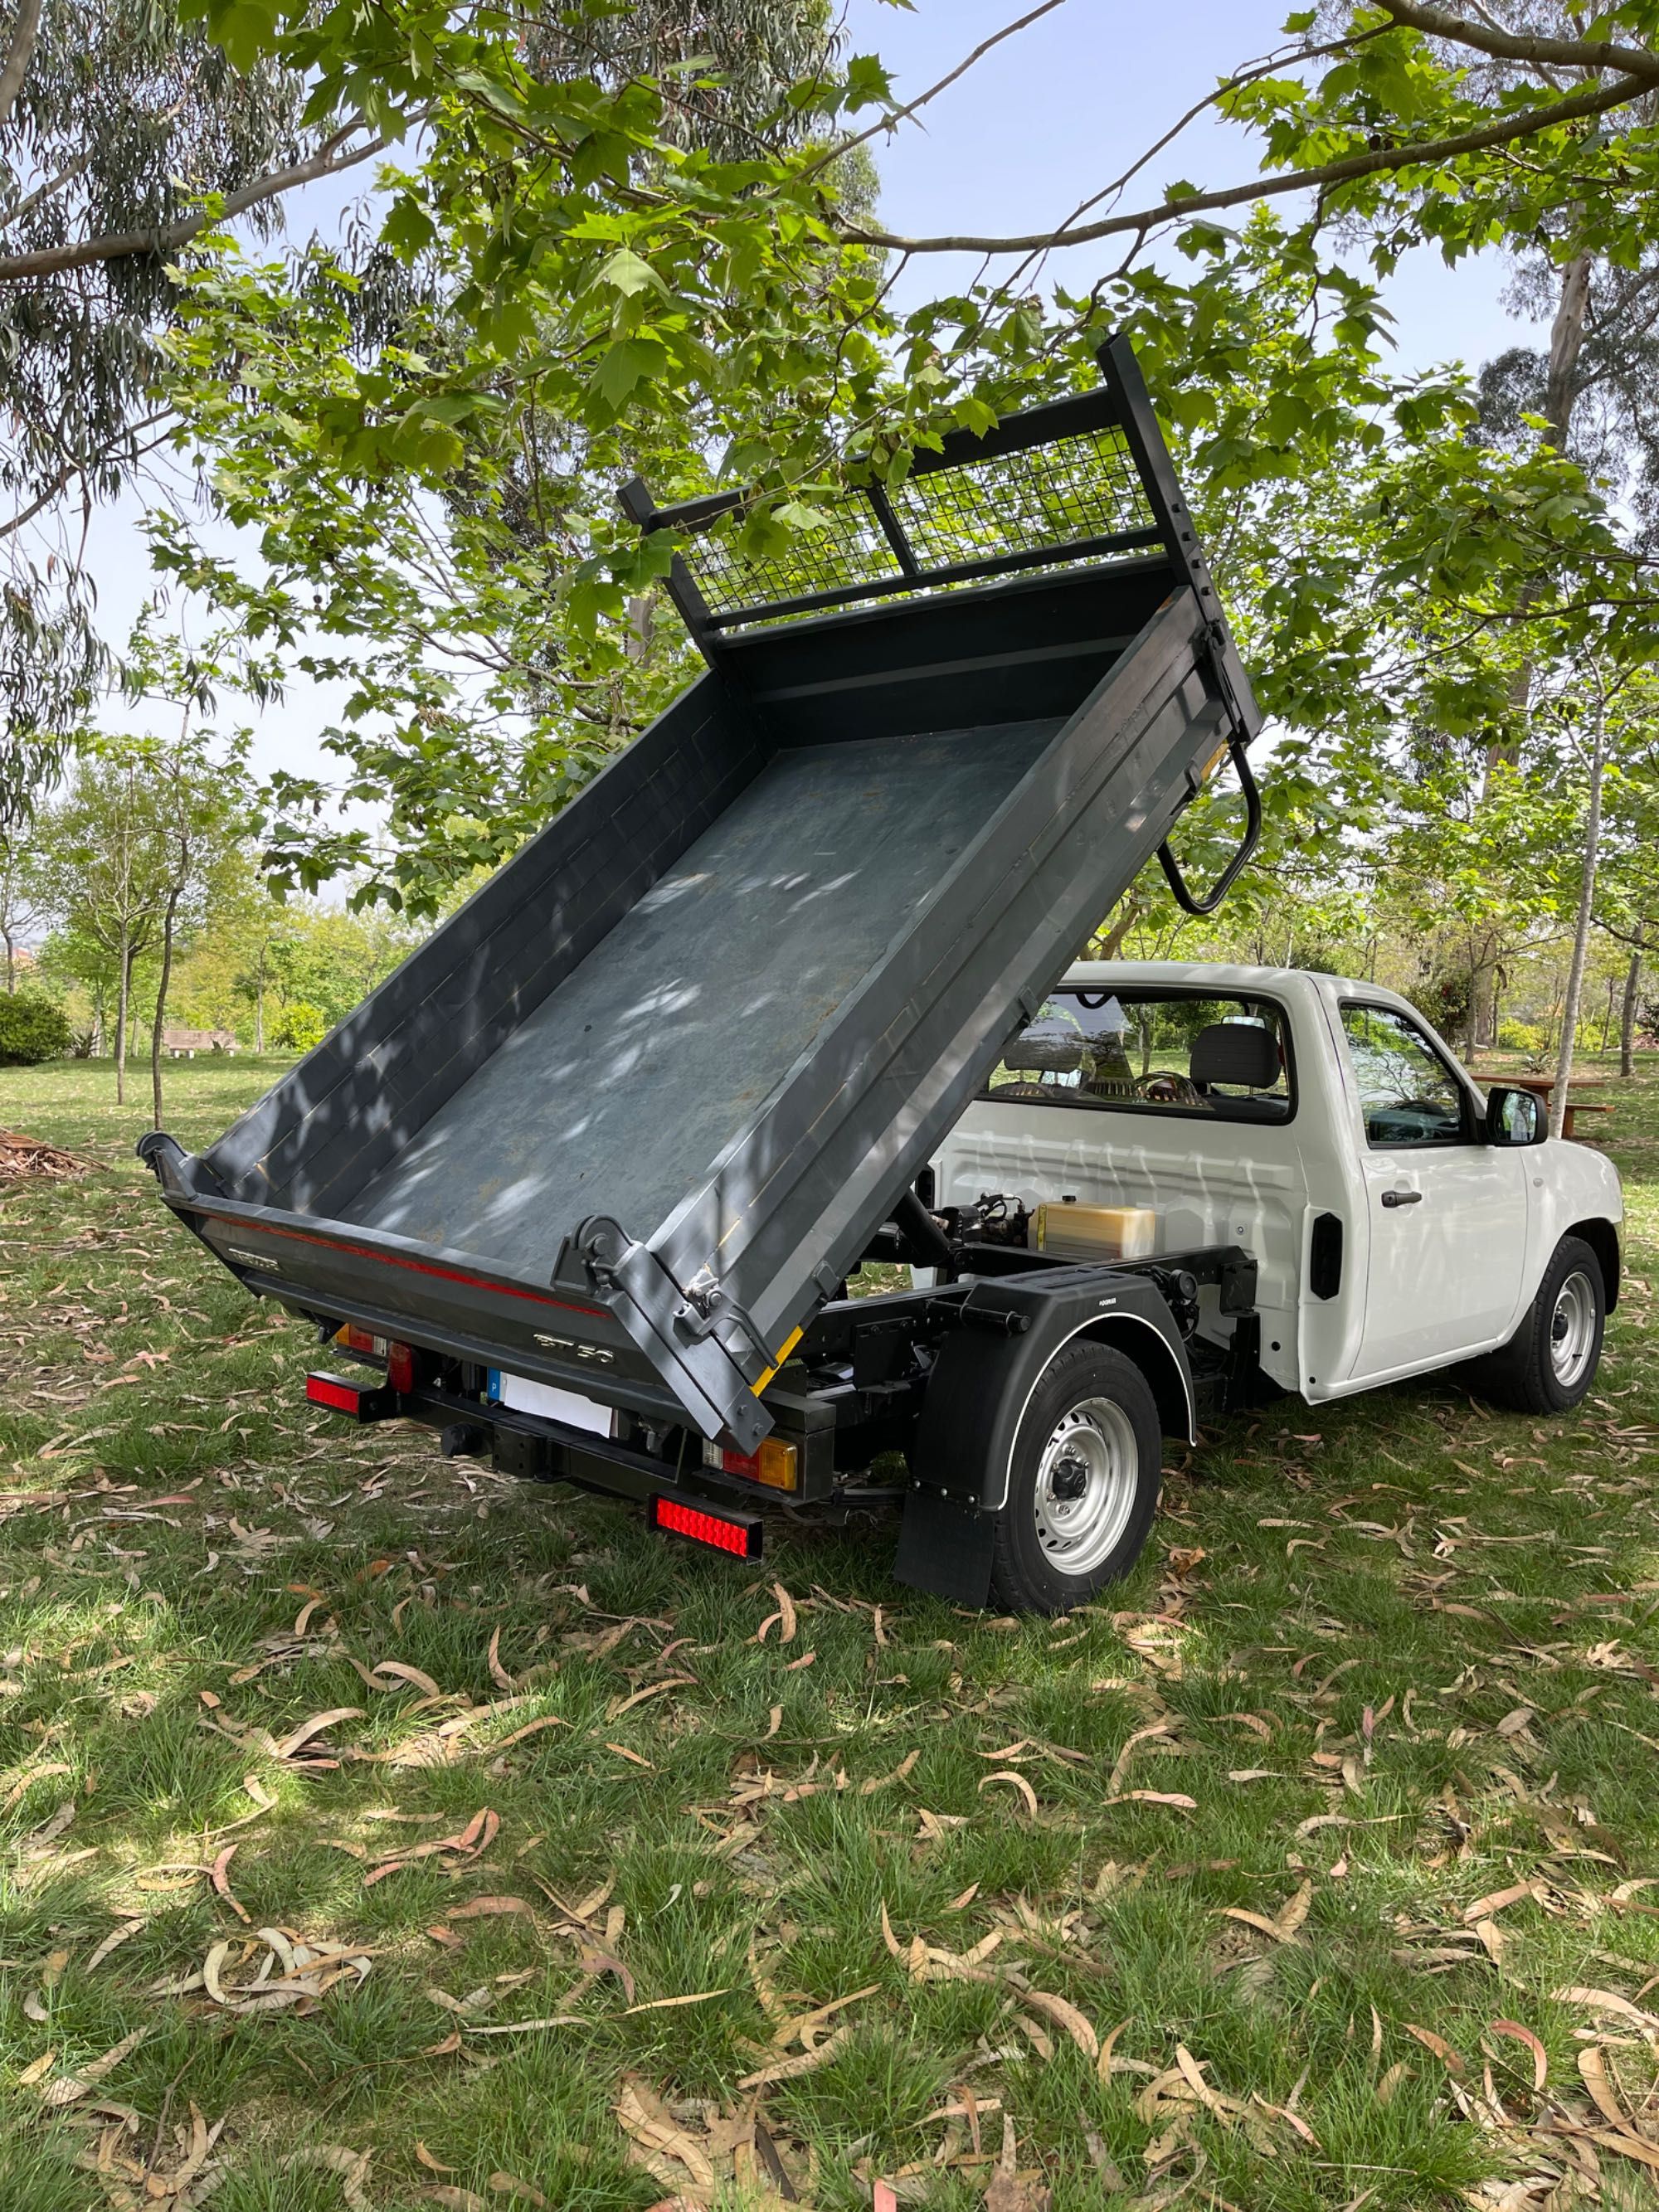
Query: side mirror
x=1516 y=1117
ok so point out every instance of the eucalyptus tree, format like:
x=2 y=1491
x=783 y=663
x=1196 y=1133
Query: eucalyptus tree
x=123 y=132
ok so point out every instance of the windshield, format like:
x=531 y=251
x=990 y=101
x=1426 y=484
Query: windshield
x=1162 y=1051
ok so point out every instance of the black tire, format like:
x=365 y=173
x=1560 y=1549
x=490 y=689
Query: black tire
x=1533 y=1373
x=1093 y=1409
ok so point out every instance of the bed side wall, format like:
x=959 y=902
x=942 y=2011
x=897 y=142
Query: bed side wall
x=349 y=1106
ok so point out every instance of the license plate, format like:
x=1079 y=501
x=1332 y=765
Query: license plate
x=546 y=1400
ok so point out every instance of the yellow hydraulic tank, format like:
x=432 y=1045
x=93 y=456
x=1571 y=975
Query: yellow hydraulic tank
x=1070 y=1231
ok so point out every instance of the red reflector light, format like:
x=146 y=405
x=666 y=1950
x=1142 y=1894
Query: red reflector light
x=343 y=1397
x=364 y=1401
x=742 y=1538
x=400 y=1366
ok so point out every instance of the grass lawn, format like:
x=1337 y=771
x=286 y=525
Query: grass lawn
x=380 y=1834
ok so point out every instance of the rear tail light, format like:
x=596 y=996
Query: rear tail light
x=400 y=1366
x=353 y=1339
x=364 y=1401
x=773 y=1464
x=739 y=1535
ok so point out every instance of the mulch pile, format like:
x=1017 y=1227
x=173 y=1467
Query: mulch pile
x=31 y=1156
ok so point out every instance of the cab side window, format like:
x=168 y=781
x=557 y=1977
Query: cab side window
x=1407 y=1093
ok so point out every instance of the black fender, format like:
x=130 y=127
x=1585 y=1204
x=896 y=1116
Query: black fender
x=961 y=1457
x=1011 y=1329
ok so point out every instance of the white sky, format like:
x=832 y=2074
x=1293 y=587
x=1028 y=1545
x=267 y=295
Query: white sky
x=1037 y=127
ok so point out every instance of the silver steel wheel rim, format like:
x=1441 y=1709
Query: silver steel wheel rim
x=1572 y=1329
x=1085 y=1485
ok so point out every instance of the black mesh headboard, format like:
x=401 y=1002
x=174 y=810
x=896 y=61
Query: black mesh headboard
x=1085 y=480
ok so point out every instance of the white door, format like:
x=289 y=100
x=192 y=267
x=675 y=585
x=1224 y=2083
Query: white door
x=1446 y=1213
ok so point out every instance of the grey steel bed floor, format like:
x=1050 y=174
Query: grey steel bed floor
x=626 y=1082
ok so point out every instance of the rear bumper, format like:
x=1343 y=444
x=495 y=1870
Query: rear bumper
x=534 y=1449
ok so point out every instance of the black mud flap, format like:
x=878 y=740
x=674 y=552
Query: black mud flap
x=944 y=1547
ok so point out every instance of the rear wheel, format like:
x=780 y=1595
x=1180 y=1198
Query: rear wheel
x=1550 y=1363
x=1082 y=1482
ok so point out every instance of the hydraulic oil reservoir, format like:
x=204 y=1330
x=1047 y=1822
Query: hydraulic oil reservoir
x=1070 y=1231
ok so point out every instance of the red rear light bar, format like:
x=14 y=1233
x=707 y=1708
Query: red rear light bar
x=364 y=1401
x=739 y=1534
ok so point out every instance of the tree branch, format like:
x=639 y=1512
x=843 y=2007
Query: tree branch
x=166 y=238
x=1518 y=47
x=1526 y=122
x=20 y=55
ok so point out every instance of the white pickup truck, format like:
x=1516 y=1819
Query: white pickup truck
x=1397 y=1225
x=1181 y=1190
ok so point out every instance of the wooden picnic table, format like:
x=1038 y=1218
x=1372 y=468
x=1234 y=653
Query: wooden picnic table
x=1543 y=1086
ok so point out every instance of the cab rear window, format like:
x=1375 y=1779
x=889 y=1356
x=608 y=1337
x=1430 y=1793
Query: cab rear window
x=1226 y=1058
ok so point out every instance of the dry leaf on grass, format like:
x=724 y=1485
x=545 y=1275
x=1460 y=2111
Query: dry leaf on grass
x=1497 y=1901
x=296 y=1739
x=658 y=2138
x=788 y=2070
x=453 y=2200
x=1284 y=1926
x=352 y=2166
x=1438 y=2043
x=1018 y=1782
x=1389 y=2084
x=1540 y=2064
x=112 y=1942
x=783 y=1620
x=1103 y=2064
x=1594 y=2068
x=490 y=1908
x=1606 y=2001
x=498 y=1674
x=529 y=2026
x=1176 y=1799
x=306 y=1969
x=69 y=2088
x=1010 y=2190
x=1064 y=2016
x=508 y=2185
x=804 y=2028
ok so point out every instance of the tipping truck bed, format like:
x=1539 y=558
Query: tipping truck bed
x=629 y=1117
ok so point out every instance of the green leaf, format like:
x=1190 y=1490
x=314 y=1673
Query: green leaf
x=625 y=366
x=625 y=272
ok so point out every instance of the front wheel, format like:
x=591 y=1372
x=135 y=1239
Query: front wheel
x=1549 y=1363
x=1082 y=1482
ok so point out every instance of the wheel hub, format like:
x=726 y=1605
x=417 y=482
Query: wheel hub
x=1085 y=1487
x=1070 y=1479
x=1572 y=1329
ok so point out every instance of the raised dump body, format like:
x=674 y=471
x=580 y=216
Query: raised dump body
x=630 y=1118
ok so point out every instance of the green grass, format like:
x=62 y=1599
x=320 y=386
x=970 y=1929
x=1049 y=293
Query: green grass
x=1428 y=1631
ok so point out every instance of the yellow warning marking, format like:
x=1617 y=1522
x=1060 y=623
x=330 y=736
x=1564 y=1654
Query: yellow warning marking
x=784 y=1350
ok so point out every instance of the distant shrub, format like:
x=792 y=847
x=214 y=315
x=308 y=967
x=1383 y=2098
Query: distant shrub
x=302 y=1025
x=1520 y=1037
x=31 y=1029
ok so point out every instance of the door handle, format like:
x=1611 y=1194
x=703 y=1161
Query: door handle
x=1392 y=1198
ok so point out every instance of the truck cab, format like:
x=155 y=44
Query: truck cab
x=1319 y=1123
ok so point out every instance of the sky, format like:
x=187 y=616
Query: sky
x=1036 y=126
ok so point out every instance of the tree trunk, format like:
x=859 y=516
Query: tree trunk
x=162 y=1001
x=125 y=960
x=1566 y=344
x=1581 y=934
x=1627 y=1020
x=1560 y=392
x=259 y=1007
x=11 y=963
